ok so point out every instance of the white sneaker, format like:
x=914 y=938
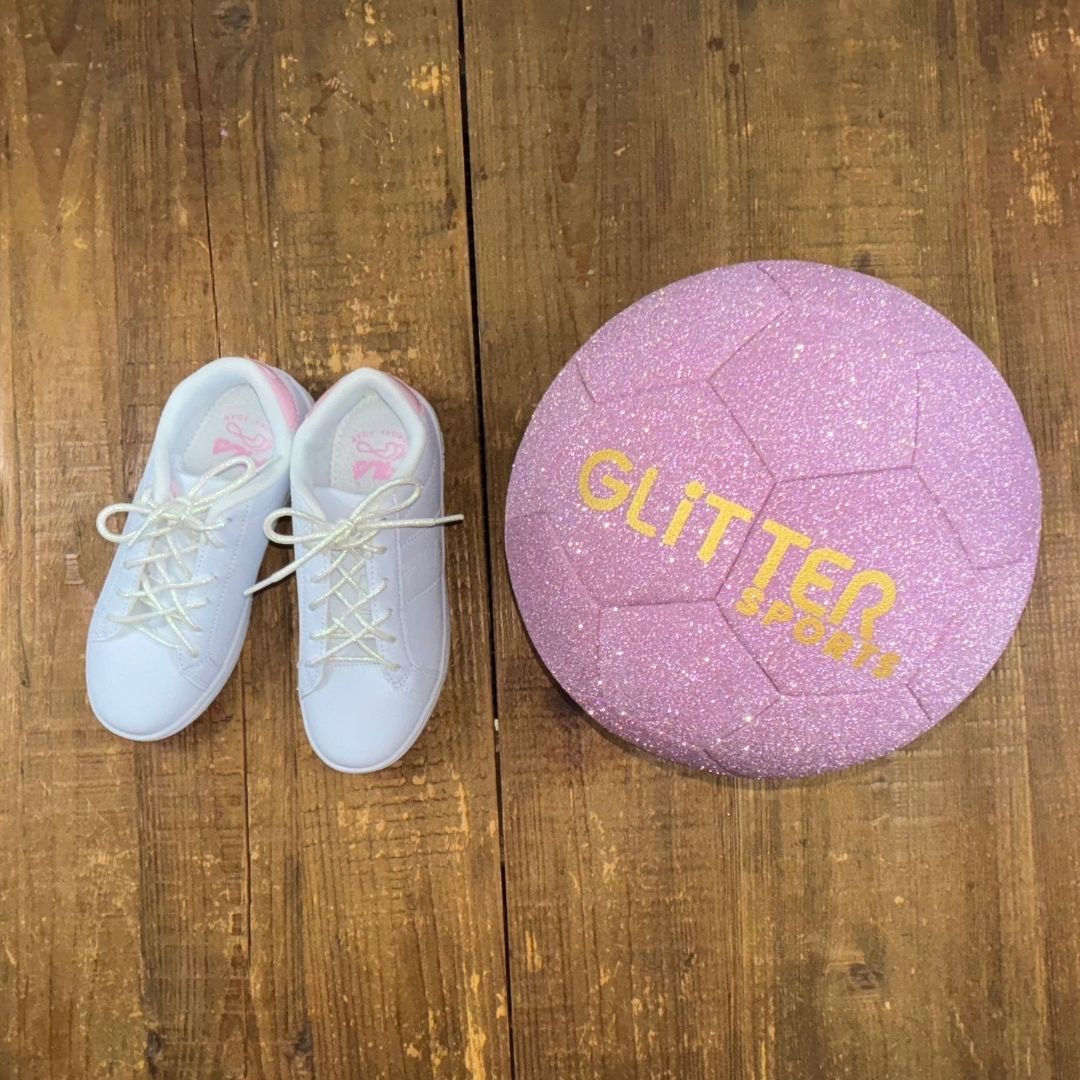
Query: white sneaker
x=374 y=621
x=170 y=621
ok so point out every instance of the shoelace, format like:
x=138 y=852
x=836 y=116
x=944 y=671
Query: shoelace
x=350 y=542
x=174 y=531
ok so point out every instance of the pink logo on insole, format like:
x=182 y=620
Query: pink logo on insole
x=377 y=453
x=249 y=438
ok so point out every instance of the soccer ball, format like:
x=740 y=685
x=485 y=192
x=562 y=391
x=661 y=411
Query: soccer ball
x=773 y=519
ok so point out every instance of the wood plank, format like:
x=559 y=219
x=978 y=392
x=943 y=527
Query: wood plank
x=884 y=921
x=337 y=223
x=123 y=916
x=1022 y=67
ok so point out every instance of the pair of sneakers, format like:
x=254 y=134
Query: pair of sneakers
x=365 y=470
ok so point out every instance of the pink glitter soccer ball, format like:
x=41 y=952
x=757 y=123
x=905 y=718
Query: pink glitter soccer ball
x=774 y=519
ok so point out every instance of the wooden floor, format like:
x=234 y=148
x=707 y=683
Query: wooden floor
x=462 y=193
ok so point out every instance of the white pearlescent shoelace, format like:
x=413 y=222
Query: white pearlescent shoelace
x=173 y=530
x=349 y=543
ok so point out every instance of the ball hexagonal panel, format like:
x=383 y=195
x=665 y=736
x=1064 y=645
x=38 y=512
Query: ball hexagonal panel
x=625 y=481
x=559 y=433
x=663 y=669
x=819 y=394
x=801 y=736
x=974 y=638
x=895 y=316
x=848 y=582
x=563 y=619
x=975 y=453
x=679 y=334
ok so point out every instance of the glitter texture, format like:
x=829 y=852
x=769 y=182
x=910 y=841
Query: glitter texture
x=883 y=519
x=685 y=424
x=774 y=519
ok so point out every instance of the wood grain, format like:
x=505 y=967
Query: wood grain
x=221 y=904
x=892 y=920
x=1022 y=67
x=123 y=914
x=306 y=182
x=335 y=187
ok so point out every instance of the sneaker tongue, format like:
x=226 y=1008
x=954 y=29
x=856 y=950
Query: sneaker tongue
x=335 y=503
x=181 y=481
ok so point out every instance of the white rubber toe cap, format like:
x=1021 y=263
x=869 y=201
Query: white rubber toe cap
x=363 y=732
x=137 y=690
